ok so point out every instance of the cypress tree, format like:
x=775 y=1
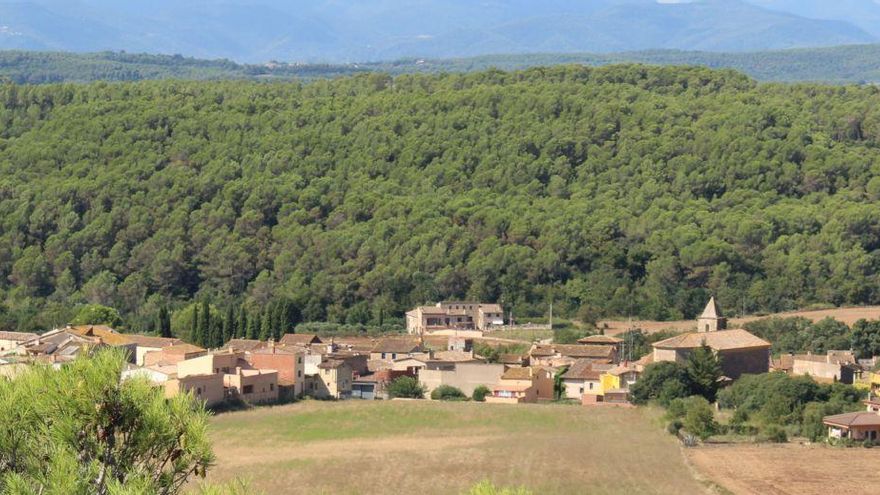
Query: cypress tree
x=164 y=323
x=266 y=324
x=194 y=333
x=228 y=325
x=241 y=326
x=253 y=327
x=205 y=325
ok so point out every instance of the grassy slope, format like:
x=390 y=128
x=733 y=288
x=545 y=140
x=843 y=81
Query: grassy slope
x=427 y=447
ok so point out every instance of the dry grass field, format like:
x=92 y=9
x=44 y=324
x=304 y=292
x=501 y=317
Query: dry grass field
x=428 y=448
x=788 y=469
x=845 y=315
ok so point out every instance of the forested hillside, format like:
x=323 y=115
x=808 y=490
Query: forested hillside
x=616 y=190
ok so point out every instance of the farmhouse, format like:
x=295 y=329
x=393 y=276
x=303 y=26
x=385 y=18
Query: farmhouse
x=144 y=344
x=740 y=352
x=456 y=315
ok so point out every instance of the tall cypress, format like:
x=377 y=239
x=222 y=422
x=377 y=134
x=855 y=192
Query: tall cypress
x=194 y=329
x=253 y=326
x=266 y=324
x=205 y=325
x=164 y=323
x=241 y=327
x=228 y=325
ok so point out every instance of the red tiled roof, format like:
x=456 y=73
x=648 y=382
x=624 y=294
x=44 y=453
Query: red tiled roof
x=853 y=419
x=720 y=341
x=582 y=369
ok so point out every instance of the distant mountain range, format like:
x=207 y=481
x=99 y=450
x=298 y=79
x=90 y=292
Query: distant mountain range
x=370 y=30
x=843 y=64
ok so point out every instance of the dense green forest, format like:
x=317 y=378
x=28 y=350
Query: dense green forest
x=842 y=64
x=611 y=191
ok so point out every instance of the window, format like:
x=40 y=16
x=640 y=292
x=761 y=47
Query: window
x=271 y=387
x=383 y=355
x=299 y=360
x=199 y=391
x=393 y=356
x=582 y=389
x=216 y=370
x=591 y=386
x=247 y=389
x=299 y=373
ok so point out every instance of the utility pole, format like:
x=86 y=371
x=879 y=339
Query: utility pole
x=551 y=314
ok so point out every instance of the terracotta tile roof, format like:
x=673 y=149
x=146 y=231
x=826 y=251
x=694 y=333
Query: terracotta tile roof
x=517 y=374
x=245 y=344
x=853 y=419
x=107 y=335
x=622 y=369
x=17 y=336
x=600 y=339
x=182 y=349
x=300 y=339
x=582 y=369
x=511 y=358
x=331 y=364
x=152 y=341
x=396 y=346
x=573 y=350
x=720 y=341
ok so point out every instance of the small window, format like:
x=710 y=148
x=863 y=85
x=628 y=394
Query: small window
x=582 y=389
x=271 y=387
x=591 y=386
x=248 y=389
x=299 y=360
x=199 y=391
x=383 y=355
x=299 y=373
x=393 y=356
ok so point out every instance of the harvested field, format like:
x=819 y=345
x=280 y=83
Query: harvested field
x=789 y=469
x=429 y=447
x=845 y=315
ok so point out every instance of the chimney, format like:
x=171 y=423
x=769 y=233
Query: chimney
x=272 y=344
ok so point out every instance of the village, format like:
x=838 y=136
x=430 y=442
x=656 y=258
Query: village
x=438 y=353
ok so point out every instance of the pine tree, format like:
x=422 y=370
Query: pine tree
x=194 y=329
x=704 y=370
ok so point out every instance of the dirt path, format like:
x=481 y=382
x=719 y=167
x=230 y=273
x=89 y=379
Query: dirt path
x=789 y=469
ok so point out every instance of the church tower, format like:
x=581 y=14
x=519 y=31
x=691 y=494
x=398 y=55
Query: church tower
x=711 y=319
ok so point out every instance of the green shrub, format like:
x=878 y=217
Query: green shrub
x=699 y=418
x=406 y=387
x=674 y=426
x=773 y=434
x=448 y=392
x=480 y=393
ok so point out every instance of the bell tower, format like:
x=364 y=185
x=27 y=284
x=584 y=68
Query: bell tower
x=711 y=319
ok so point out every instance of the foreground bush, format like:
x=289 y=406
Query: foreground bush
x=448 y=392
x=80 y=431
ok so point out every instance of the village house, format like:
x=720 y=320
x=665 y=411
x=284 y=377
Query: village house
x=836 y=366
x=518 y=385
x=582 y=379
x=203 y=385
x=11 y=340
x=602 y=340
x=289 y=363
x=333 y=380
x=556 y=355
x=60 y=345
x=391 y=349
x=454 y=315
x=254 y=386
x=465 y=376
x=144 y=344
x=173 y=354
x=740 y=352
